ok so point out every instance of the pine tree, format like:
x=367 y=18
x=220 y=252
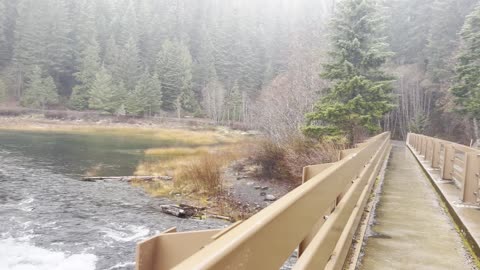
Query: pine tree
x=30 y=33
x=234 y=103
x=58 y=55
x=447 y=21
x=466 y=88
x=128 y=65
x=85 y=31
x=359 y=97
x=89 y=66
x=204 y=63
x=40 y=91
x=103 y=96
x=146 y=98
x=174 y=66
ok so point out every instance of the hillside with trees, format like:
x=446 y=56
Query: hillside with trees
x=279 y=66
x=151 y=57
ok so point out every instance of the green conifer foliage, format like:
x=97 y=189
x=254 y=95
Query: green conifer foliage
x=89 y=66
x=174 y=67
x=103 y=96
x=146 y=99
x=467 y=83
x=40 y=91
x=360 y=94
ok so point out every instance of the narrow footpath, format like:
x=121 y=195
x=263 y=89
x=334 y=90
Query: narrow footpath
x=410 y=229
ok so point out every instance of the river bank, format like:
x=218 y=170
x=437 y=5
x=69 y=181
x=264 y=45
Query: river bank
x=242 y=192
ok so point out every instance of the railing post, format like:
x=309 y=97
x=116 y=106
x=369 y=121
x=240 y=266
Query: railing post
x=447 y=169
x=424 y=147
x=436 y=154
x=417 y=141
x=429 y=150
x=471 y=173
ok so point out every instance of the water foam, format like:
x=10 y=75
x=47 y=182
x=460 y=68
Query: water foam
x=21 y=255
x=121 y=265
x=127 y=234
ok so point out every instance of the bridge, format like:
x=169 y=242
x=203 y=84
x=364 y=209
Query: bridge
x=383 y=205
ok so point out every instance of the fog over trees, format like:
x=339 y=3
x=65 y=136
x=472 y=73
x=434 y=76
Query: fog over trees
x=265 y=63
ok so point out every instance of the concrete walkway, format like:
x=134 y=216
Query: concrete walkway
x=411 y=230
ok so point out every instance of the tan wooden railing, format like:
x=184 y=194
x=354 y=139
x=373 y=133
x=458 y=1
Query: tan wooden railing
x=320 y=217
x=458 y=163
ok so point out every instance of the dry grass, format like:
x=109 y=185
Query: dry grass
x=204 y=173
x=156 y=189
x=196 y=170
x=301 y=152
x=172 y=135
x=176 y=151
x=271 y=157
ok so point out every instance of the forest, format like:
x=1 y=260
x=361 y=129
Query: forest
x=326 y=69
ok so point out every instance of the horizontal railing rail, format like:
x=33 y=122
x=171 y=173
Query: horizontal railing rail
x=319 y=218
x=458 y=163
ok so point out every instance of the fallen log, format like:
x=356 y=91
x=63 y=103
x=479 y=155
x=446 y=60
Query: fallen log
x=181 y=210
x=126 y=178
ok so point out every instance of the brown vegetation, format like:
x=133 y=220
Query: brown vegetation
x=285 y=161
x=203 y=174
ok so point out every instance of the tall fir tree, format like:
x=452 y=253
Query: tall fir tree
x=89 y=66
x=146 y=99
x=174 y=67
x=360 y=94
x=40 y=91
x=103 y=96
x=466 y=88
x=128 y=65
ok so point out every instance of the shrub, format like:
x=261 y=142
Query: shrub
x=302 y=152
x=271 y=157
x=16 y=111
x=203 y=172
x=286 y=160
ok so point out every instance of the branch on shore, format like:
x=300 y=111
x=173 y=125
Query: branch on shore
x=126 y=178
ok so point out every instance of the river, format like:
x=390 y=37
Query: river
x=51 y=220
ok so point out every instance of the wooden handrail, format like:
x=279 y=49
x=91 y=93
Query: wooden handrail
x=456 y=162
x=321 y=215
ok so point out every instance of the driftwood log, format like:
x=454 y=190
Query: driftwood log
x=126 y=178
x=182 y=210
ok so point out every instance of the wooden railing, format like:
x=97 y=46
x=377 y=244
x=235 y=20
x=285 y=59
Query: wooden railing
x=458 y=163
x=319 y=217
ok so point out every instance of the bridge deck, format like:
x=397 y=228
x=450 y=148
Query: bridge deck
x=411 y=229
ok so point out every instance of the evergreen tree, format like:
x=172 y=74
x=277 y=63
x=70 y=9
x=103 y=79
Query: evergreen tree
x=128 y=65
x=40 y=91
x=30 y=32
x=447 y=21
x=58 y=56
x=234 y=103
x=103 y=96
x=466 y=88
x=174 y=67
x=85 y=31
x=359 y=97
x=146 y=98
x=89 y=66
